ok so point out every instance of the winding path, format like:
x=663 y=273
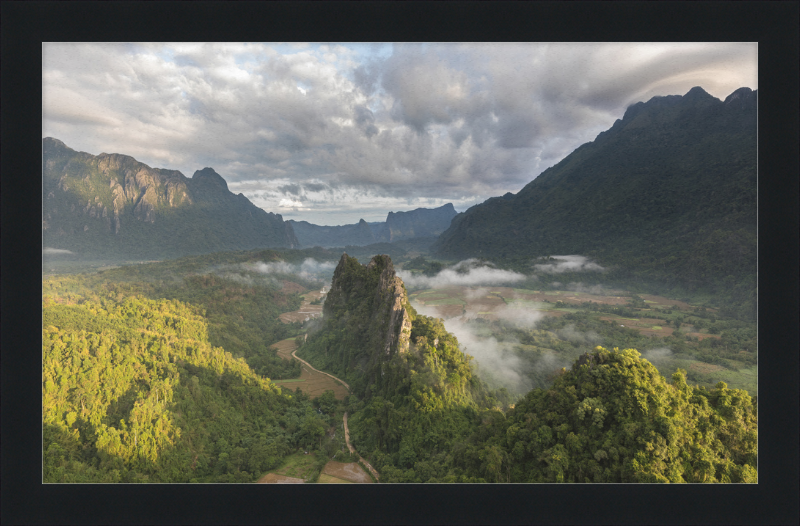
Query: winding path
x=344 y=419
x=346 y=430
x=353 y=450
x=294 y=355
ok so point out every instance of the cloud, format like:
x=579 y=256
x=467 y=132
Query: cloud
x=570 y=334
x=464 y=273
x=55 y=251
x=445 y=122
x=249 y=273
x=568 y=264
x=492 y=357
x=519 y=316
x=658 y=355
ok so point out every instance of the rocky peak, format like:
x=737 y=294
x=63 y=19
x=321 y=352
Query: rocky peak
x=208 y=175
x=742 y=98
x=49 y=143
x=378 y=295
x=697 y=93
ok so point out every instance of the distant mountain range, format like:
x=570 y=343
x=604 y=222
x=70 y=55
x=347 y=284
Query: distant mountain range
x=422 y=222
x=669 y=192
x=111 y=205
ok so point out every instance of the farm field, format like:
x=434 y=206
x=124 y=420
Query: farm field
x=466 y=303
x=311 y=382
x=306 y=311
x=349 y=472
x=295 y=469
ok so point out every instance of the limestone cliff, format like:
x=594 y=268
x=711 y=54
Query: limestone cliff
x=422 y=222
x=366 y=324
x=383 y=295
x=113 y=205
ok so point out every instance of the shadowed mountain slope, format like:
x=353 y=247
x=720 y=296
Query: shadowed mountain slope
x=668 y=192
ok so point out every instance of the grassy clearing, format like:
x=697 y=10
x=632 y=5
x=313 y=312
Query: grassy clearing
x=444 y=301
x=615 y=316
x=327 y=479
x=298 y=465
x=528 y=304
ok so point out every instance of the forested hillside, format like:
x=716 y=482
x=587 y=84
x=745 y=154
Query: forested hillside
x=613 y=418
x=162 y=372
x=665 y=196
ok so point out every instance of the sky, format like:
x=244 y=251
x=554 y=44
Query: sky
x=331 y=133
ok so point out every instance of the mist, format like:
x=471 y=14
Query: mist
x=569 y=334
x=468 y=273
x=310 y=269
x=496 y=361
x=658 y=356
x=496 y=358
x=46 y=251
x=267 y=273
x=568 y=264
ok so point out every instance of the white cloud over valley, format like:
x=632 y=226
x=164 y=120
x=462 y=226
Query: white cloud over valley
x=466 y=273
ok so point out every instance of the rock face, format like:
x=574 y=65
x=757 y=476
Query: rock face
x=366 y=325
x=422 y=222
x=111 y=204
x=374 y=289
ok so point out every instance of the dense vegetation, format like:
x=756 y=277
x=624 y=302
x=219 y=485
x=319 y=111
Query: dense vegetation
x=133 y=391
x=613 y=418
x=666 y=196
x=161 y=372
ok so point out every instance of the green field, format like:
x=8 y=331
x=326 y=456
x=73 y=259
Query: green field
x=445 y=301
x=298 y=465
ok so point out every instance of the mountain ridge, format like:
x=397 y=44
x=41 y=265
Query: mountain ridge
x=112 y=204
x=398 y=226
x=669 y=191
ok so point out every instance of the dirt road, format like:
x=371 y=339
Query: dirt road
x=346 y=430
x=294 y=355
x=312 y=381
x=353 y=450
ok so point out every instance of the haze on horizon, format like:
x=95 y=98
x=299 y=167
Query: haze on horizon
x=332 y=133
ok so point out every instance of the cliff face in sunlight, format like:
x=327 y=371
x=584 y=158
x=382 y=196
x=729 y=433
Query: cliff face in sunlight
x=112 y=205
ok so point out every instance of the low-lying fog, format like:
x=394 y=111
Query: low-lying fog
x=496 y=361
x=319 y=272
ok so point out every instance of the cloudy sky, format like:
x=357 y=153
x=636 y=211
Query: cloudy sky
x=331 y=133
